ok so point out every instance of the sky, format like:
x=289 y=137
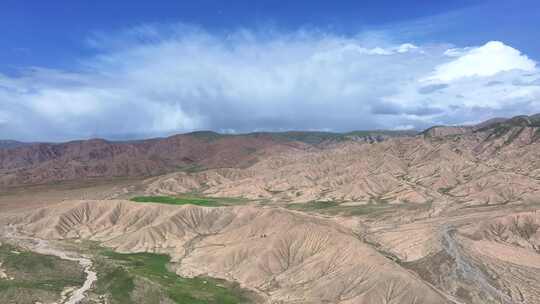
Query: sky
x=128 y=69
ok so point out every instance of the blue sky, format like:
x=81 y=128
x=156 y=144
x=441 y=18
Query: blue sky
x=72 y=69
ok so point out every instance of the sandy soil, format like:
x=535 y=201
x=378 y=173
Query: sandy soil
x=289 y=256
x=283 y=255
x=31 y=197
x=460 y=224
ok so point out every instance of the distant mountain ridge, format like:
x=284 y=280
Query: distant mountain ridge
x=37 y=163
x=4 y=144
x=495 y=164
x=310 y=137
x=497 y=125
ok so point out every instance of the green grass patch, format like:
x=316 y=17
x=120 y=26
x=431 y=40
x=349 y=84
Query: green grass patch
x=119 y=271
x=336 y=208
x=536 y=134
x=515 y=134
x=171 y=200
x=191 y=199
x=318 y=137
x=445 y=190
x=116 y=281
x=374 y=208
x=499 y=131
x=315 y=205
x=207 y=136
x=36 y=277
x=191 y=168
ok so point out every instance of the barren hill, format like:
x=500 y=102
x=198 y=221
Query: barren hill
x=43 y=163
x=446 y=216
x=6 y=144
x=285 y=256
x=23 y=164
x=498 y=164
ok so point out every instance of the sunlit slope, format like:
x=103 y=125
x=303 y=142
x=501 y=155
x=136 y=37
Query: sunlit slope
x=281 y=254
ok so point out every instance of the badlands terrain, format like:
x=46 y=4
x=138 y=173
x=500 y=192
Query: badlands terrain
x=448 y=215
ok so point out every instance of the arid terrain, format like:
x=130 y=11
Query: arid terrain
x=448 y=215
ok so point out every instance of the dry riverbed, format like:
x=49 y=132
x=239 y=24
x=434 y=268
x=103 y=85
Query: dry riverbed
x=70 y=295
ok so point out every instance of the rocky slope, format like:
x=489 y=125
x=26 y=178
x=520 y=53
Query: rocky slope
x=24 y=164
x=7 y=144
x=43 y=163
x=498 y=164
x=285 y=256
x=460 y=221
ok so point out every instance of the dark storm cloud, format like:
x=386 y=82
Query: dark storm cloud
x=494 y=83
x=527 y=82
x=396 y=109
x=385 y=108
x=425 y=111
x=432 y=88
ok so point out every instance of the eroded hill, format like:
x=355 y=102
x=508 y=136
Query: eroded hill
x=285 y=256
x=42 y=163
x=498 y=164
x=446 y=216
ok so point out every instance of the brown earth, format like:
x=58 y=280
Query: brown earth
x=44 y=163
x=448 y=216
x=285 y=256
x=495 y=166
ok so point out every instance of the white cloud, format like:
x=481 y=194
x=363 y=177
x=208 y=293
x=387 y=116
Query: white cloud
x=406 y=47
x=155 y=81
x=403 y=127
x=4 y=118
x=492 y=58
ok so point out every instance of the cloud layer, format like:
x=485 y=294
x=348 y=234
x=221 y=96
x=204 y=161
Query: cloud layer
x=159 y=80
